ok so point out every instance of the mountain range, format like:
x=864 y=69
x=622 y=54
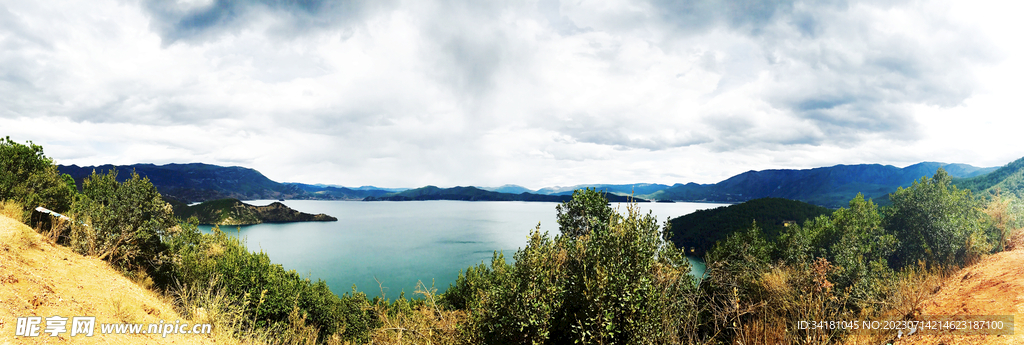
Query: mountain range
x=828 y=186
x=831 y=186
x=198 y=182
x=477 y=194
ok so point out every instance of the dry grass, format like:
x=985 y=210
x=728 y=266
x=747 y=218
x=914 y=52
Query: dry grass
x=12 y=210
x=788 y=295
x=46 y=279
x=905 y=298
x=791 y=295
x=210 y=303
x=427 y=324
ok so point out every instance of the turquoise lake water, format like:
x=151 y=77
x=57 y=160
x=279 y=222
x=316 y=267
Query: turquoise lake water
x=400 y=243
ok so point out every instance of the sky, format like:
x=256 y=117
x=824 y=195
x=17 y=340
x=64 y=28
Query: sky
x=539 y=93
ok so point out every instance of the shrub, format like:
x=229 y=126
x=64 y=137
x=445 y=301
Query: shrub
x=273 y=298
x=609 y=278
x=120 y=222
x=935 y=221
x=29 y=179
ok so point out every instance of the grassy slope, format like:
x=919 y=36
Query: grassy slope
x=991 y=287
x=38 y=278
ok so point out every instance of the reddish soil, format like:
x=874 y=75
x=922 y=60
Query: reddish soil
x=994 y=286
x=38 y=278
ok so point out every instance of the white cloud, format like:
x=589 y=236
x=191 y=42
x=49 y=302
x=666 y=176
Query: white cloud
x=532 y=93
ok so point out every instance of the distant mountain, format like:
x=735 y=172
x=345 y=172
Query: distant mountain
x=198 y=182
x=509 y=188
x=337 y=193
x=1006 y=180
x=379 y=188
x=828 y=186
x=354 y=188
x=697 y=232
x=620 y=189
x=235 y=212
x=477 y=194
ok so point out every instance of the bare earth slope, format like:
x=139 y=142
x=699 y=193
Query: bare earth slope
x=995 y=286
x=38 y=278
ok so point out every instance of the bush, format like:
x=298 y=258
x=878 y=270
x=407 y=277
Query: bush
x=29 y=179
x=120 y=222
x=609 y=278
x=936 y=222
x=273 y=298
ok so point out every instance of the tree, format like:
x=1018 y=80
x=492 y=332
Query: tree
x=30 y=179
x=935 y=221
x=861 y=249
x=586 y=211
x=608 y=278
x=120 y=222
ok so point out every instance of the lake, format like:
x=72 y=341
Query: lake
x=400 y=243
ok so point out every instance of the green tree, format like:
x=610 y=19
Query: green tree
x=738 y=261
x=608 y=278
x=862 y=249
x=587 y=211
x=30 y=179
x=120 y=222
x=935 y=221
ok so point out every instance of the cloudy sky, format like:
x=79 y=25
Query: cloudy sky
x=532 y=92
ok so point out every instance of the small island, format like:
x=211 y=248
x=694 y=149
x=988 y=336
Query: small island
x=235 y=212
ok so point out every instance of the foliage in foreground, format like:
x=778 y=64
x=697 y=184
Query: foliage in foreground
x=29 y=179
x=607 y=278
x=860 y=263
x=267 y=295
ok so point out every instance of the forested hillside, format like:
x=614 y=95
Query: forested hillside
x=1007 y=180
x=198 y=182
x=699 y=231
x=235 y=212
x=827 y=186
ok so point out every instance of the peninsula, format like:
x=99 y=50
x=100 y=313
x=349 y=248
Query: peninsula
x=236 y=212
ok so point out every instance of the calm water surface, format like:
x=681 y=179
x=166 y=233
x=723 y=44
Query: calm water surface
x=400 y=243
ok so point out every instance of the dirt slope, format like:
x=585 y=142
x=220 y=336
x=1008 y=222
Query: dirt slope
x=42 y=279
x=994 y=286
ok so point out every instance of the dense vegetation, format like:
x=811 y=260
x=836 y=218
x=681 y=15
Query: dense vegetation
x=826 y=186
x=607 y=278
x=697 y=232
x=1008 y=180
x=27 y=177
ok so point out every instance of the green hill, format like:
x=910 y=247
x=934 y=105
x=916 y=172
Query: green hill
x=198 y=182
x=235 y=212
x=827 y=186
x=1007 y=180
x=697 y=232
